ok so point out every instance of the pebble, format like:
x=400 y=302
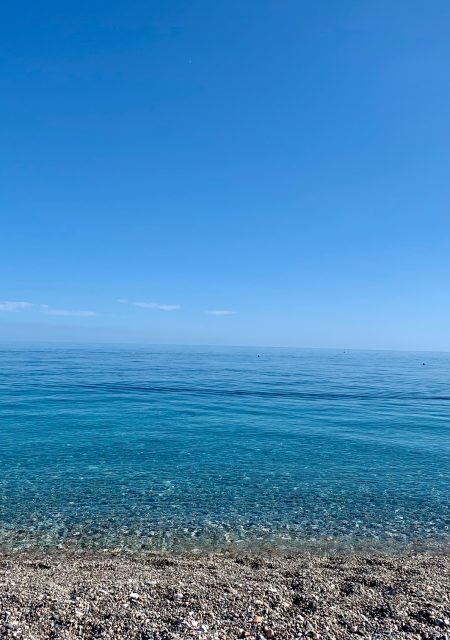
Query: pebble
x=441 y=622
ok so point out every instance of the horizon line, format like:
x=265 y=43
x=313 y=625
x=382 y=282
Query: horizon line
x=212 y=346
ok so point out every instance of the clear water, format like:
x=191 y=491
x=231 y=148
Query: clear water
x=189 y=447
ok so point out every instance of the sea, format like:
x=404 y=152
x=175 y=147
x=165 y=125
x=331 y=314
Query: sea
x=203 y=448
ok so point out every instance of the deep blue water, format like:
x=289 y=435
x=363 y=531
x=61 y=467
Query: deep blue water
x=184 y=447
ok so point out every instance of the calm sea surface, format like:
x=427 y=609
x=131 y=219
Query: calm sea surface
x=191 y=447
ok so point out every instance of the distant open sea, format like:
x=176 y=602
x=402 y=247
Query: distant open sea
x=183 y=448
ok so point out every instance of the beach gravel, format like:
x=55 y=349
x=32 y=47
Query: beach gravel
x=63 y=595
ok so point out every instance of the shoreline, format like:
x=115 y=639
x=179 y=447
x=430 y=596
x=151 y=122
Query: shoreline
x=190 y=541
x=342 y=546
x=161 y=596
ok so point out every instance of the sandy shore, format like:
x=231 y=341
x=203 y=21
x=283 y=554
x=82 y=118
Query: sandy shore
x=102 y=595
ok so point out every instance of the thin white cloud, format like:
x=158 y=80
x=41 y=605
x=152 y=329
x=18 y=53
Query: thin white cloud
x=151 y=305
x=221 y=312
x=160 y=307
x=68 y=312
x=13 y=305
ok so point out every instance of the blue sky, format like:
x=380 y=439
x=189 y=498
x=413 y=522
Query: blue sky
x=286 y=161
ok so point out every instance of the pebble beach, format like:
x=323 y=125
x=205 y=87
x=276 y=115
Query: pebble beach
x=146 y=596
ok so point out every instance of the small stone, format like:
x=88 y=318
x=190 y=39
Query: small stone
x=269 y=633
x=203 y=628
x=441 y=622
x=258 y=619
x=133 y=596
x=311 y=632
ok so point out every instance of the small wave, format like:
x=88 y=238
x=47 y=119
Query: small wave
x=258 y=393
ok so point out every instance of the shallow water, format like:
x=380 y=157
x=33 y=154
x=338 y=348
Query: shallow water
x=191 y=447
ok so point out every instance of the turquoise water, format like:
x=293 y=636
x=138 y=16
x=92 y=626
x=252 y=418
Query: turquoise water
x=191 y=447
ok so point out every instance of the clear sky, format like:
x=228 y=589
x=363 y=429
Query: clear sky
x=284 y=160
